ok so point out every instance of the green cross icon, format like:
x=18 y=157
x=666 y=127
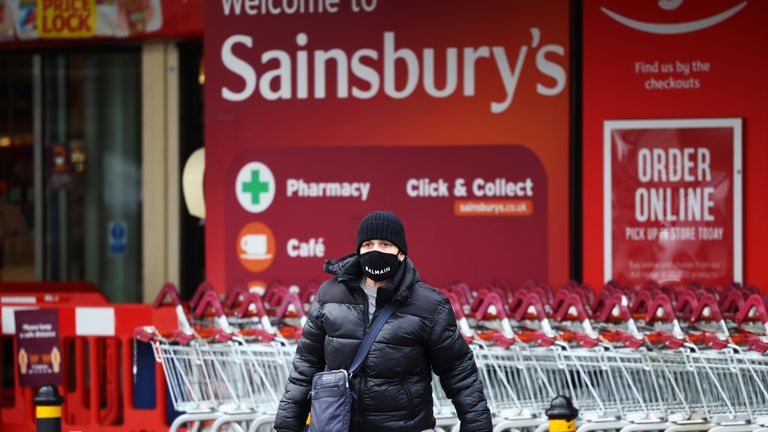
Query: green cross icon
x=255 y=187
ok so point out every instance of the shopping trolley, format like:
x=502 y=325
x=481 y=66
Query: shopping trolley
x=646 y=359
x=225 y=370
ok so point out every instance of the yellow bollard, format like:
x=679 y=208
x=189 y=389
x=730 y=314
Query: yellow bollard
x=48 y=412
x=562 y=415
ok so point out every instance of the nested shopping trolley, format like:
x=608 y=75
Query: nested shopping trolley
x=653 y=358
x=659 y=373
x=224 y=372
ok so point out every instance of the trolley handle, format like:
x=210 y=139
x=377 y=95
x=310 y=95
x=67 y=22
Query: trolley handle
x=561 y=295
x=273 y=286
x=751 y=289
x=584 y=292
x=503 y=294
x=669 y=292
x=286 y=301
x=587 y=293
x=167 y=291
x=733 y=302
x=479 y=300
x=688 y=300
x=455 y=304
x=145 y=334
x=251 y=299
x=589 y=338
x=569 y=303
x=209 y=299
x=533 y=301
x=644 y=299
x=615 y=302
x=238 y=292
x=599 y=303
x=464 y=289
x=488 y=300
x=311 y=289
x=544 y=292
x=719 y=340
x=707 y=301
x=461 y=319
x=753 y=302
x=203 y=288
x=663 y=304
x=570 y=285
x=618 y=302
x=461 y=296
x=530 y=301
x=275 y=295
x=518 y=299
x=493 y=299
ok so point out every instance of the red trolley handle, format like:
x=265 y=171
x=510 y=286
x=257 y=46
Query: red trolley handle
x=167 y=291
x=209 y=299
x=248 y=300
x=203 y=288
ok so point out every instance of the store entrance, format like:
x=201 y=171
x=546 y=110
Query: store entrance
x=70 y=168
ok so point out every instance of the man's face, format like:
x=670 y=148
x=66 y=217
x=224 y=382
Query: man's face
x=381 y=246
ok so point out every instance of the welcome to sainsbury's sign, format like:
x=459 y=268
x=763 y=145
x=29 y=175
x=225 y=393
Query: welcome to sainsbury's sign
x=388 y=67
x=437 y=110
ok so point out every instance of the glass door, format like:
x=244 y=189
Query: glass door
x=70 y=168
x=91 y=141
x=17 y=162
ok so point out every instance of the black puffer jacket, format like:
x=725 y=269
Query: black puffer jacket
x=393 y=387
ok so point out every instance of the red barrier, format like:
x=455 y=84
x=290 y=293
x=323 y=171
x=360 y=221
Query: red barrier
x=79 y=293
x=97 y=363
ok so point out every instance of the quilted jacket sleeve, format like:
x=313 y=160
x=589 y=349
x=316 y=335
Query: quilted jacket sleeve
x=454 y=363
x=309 y=360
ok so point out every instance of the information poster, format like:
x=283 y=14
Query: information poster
x=673 y=191
x=38 y=354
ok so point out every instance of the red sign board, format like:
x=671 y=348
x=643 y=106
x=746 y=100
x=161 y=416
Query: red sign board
x=675 y=201
x=454 y=210
x=357 y=99
x=650 y=59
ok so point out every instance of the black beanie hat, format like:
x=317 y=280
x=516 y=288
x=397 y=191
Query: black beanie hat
x=382 y=225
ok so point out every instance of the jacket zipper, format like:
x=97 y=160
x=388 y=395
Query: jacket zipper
x=411 y=406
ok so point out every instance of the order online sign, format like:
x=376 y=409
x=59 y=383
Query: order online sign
x=673 y=201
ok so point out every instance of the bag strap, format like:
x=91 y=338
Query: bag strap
x=367 y=343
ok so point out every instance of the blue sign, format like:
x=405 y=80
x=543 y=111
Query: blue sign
x=118 y=239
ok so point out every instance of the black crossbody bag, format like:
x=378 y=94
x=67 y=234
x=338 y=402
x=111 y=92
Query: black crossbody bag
x=331 y=395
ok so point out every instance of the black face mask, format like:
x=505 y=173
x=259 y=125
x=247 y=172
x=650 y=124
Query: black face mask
x=378 y=265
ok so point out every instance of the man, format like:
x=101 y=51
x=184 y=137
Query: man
x=393 y=387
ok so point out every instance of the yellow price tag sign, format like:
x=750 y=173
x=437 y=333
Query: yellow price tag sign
x=66 y=19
